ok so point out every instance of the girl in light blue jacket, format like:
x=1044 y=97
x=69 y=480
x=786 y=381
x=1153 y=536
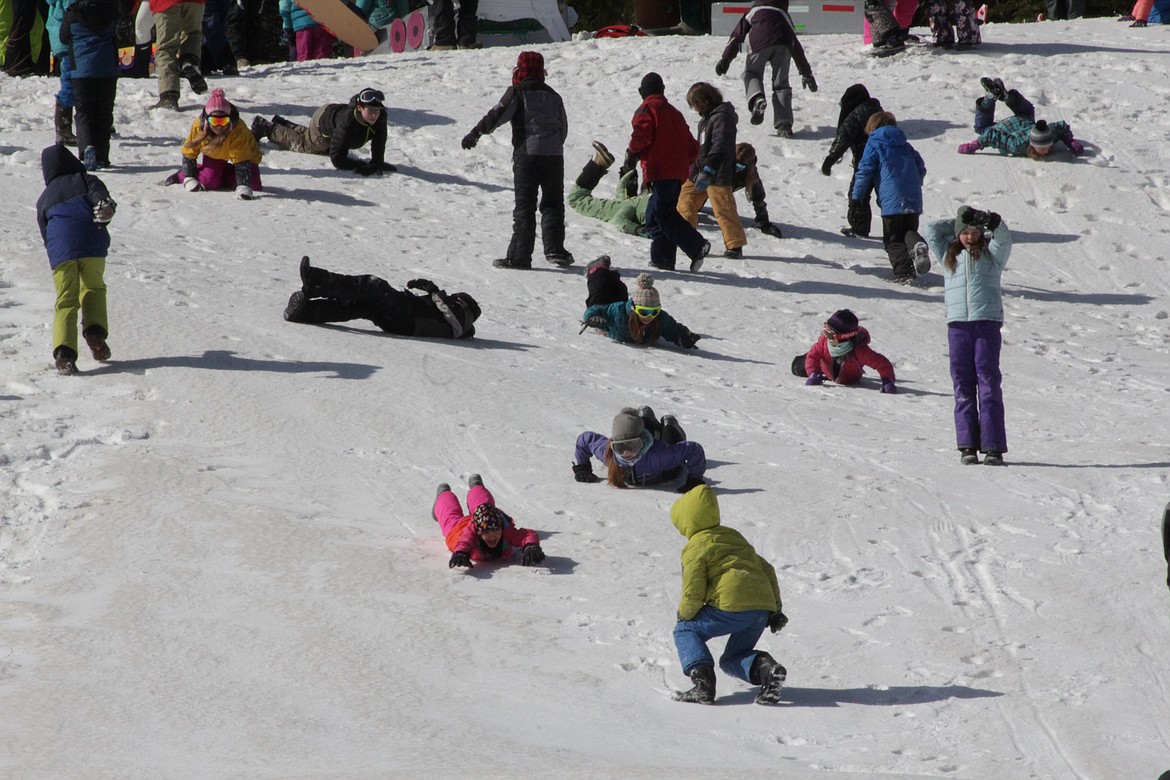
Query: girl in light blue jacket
x=973 y=250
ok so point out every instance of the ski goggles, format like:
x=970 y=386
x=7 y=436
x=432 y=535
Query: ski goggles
x=219 y=120
x=371 y=98
x=627 y=448
x=647 y=312
x=833 y=335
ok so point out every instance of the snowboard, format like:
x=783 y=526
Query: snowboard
x=335 y=16
x=1166 y=541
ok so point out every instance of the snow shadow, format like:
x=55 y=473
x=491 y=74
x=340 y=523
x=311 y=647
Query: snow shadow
x=552 y=564
x=1052 y=49
x=433 y=177
x=322 y=196
x=1093 y=299
x=1027 y=237
x=225 y=360
x=890 y=697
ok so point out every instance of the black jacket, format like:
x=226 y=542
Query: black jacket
x=340 y=124
x=717 y=144
x=851 y=132
x=537 y=113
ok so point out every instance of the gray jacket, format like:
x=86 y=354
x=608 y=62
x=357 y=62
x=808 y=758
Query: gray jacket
x=537 y=113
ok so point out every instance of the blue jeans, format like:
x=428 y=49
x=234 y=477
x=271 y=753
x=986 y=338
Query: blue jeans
x=65 y=94
x=742 y=629
x=668 y=230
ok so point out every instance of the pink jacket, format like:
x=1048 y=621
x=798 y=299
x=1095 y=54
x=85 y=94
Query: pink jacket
x=853 y=365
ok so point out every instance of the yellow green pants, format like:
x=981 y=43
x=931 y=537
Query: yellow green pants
x=723 y=207
x=79 y=286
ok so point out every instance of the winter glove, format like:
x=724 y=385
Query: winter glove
x=690 y=484
x=721 y=67
x=809 y=83
x=103 y=212
x=192 y=185
x=889 y=387
x=689 y=340
x=768 y=229
x=970 y=147
x=1074 y=146
x=583 y=473
x=367 y=169
x=470 y=140
x=531 y=555
x=704 y=177
x=827 y=166
x=460 y=559
x=598 y=321
x=777 y=622
x=815 y=378
x=426 y=285
x=244 y=192
x=979 y=218
x=385 y=167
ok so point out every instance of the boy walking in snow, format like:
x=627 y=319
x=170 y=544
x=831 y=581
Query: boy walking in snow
x=727 y=590
x=72 y=214
x=539 y=129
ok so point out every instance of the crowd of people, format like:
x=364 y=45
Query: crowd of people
x=666 y=176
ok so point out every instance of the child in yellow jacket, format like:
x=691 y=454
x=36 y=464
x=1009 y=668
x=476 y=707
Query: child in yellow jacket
x=231 y=155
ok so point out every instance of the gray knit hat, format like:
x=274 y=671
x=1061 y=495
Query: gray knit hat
x=646 y=295
x=1041 y=136
x=627 y=425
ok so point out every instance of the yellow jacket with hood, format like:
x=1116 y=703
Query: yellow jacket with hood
x=720 y=566
x=239 y=145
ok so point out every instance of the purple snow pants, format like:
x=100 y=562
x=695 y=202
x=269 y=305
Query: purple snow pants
x=978 y=396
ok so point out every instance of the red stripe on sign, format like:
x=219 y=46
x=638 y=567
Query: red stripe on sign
x=734 y=9
x=845 y=8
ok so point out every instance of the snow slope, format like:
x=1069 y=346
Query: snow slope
x=216 y=552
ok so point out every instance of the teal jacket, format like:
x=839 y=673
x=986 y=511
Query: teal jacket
x=1010 y=136
x=719 y=566
x=618 y=316
x=972 y=291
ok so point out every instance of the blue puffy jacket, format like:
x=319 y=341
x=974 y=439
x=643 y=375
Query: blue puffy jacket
x=294 y=17
x=65 y=208
x=659 y=463
x=973 y=288
x=88 y=30
x=892 y=166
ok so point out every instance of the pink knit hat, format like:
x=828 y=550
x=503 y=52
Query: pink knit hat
x=217 y=104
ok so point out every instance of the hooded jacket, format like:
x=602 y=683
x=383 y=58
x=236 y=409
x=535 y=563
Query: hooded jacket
x=851 y=131
x=660 y=462
x=88 y=32
x=662 y=141
x=1012 y=136
x=463 y=538
x=720 y=567
x=767 y=24
x=618 y=315
x=972 y=290
x=537 y=113
x=340 y=124
x=894 y=168
x=717 y=144
x=853 y=363
x=239 y=146
x=65 y=208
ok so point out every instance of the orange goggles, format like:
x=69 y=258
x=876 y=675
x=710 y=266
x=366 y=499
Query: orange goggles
x=216 y=120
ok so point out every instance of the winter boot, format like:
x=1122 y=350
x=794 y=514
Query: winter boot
x=298 y=304
x=65 y=360
x=562 y=258
x=784 y=130
x=601 y=262
x=590 y=175
x=672 y=431
x=993 y=458
x=95 y=339
x=168 y=100
x=189 y=69
x=601 y=155
x=650 y=420
x=63 y=125
x=261 y=128
x=921 y=255
x=770 y=676
x=279 y=120
x=758 y=107
x=474 y=480
x=968 y=456
x=733 y=254
x=89 y=158
x=993 y=87
x=312 y=279
x=704 y=691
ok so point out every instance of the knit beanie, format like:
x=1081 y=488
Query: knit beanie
x=529 y=65
x=627 y=425
x=851 y=99
x=651 y=85
x=843 y=322
x=1041 y=136
x=487 y=515
x=646 y=295
x=217 y=104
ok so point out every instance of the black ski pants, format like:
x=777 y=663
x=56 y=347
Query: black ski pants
x=539 y=181
x=899 y=235
x=93 y=114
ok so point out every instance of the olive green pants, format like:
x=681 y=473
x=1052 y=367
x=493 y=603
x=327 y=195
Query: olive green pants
x=80 y=286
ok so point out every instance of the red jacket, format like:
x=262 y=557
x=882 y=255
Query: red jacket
x=853 y=365
x=158 y=6
x=662 y=141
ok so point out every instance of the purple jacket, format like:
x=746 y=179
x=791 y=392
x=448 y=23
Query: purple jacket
x=660 y=463
x=767 y=24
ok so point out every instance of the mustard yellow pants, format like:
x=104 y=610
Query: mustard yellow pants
x=80 y=286
x=722 y=200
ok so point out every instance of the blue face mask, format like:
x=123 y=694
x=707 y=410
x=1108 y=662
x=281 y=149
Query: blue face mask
x=629 y=461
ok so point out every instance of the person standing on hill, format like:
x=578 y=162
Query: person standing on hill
x=663 y=143
x=712 y=175
x=178 y=27
x=539 y=129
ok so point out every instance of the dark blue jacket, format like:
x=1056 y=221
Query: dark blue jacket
x=65 y=208
x=88 y=29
